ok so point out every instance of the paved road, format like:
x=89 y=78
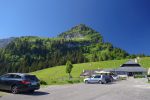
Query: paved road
x=135 y=89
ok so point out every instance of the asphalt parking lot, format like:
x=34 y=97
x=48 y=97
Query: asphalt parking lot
x=135 y=89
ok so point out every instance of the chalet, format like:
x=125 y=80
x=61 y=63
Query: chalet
x=131 y=68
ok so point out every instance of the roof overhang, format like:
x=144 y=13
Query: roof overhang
x=131 y=69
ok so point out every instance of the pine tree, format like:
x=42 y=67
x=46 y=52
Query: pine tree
x=69 y=67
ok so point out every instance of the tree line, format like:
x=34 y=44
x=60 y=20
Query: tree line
x=28 y=54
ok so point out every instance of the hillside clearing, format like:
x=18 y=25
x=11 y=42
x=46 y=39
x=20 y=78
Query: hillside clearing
x=57 y=75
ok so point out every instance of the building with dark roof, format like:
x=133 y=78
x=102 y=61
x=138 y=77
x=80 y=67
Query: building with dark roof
x=131 y=68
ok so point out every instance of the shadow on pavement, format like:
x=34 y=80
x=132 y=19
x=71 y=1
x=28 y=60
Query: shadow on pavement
x=36 y=93
x=111 y=83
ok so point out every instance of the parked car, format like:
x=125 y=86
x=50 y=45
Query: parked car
x=19 y=82
x=122 y=75
x=101 y=79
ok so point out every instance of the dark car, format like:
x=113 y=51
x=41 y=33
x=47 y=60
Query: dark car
x=19 y=82
x=108 y=78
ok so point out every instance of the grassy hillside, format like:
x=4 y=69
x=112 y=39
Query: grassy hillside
x=57 y=75
x=145 y=62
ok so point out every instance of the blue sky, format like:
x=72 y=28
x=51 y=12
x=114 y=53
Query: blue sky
x=125 y=23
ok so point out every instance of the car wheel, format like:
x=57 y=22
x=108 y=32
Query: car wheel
x=14 y=90
x=86 y=82
x=100 y=82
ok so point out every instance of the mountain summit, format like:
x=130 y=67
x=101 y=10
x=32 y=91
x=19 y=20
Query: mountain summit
x=81 y=31
x=80 y=44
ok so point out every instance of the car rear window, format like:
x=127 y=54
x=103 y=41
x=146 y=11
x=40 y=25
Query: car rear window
x=31 y=78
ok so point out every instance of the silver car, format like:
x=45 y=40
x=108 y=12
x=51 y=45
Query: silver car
x=101 y=79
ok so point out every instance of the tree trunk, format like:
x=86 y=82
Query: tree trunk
x=70 y=76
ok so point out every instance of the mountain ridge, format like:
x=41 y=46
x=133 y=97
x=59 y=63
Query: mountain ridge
x=31 y=53
x=6 y=41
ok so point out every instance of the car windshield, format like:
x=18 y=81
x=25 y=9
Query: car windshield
x=31 y=78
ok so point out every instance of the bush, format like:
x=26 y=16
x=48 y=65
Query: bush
x=70 y=81
x=43 y=82
x=73 y=81
x=76 y=81
x=53 y=81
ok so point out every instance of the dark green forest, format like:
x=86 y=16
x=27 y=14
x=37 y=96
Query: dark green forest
x=80 y=44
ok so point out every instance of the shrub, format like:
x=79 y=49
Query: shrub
x=43 y=82
x=70 y=81
x=53 y=81
x=76 y=81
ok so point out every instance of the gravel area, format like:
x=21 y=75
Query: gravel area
x=135 y=89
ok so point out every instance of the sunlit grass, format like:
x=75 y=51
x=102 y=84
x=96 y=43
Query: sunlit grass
x=145 y=62
x=57 y=75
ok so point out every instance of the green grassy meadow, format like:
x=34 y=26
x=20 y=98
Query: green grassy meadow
x=57 y=75
x=145 y=62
